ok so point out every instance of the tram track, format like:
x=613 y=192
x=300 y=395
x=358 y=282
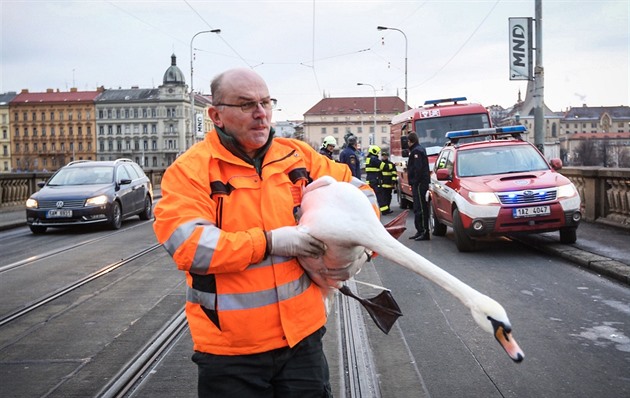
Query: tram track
x=33 y=305
x=133 y=374
x=64 y=249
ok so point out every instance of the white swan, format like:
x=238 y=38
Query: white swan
x=341 y=216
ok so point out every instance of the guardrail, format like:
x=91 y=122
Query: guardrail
x=15 y=188
x=605 y=192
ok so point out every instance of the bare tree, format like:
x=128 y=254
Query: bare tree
x=588 y=154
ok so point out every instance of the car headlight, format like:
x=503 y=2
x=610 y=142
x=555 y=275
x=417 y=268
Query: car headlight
x=31 y=203
x=96 y=201
x=566 y=191
x=483 y=198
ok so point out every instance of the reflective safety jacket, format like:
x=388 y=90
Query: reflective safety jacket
x=212 y=218
x=373 y=169
x=389 y=175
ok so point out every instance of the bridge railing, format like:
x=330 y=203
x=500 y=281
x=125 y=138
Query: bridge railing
x=15 y=188
x=605 y=192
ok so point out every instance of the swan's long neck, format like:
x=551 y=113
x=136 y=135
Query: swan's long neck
x=395 y=251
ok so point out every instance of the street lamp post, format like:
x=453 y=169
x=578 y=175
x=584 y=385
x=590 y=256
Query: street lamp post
x=406 y=48
x=373 y=88
x=192 y=91
x=361 y=112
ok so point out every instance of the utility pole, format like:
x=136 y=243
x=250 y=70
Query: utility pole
x=539 y=83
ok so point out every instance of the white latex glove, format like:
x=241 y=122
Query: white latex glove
x=292 y=242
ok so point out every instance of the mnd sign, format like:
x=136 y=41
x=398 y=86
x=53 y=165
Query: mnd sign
x=520 y=48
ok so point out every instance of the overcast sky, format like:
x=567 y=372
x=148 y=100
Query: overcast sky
x=306 y=48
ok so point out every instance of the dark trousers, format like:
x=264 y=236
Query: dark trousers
x=420 y=208
x=298 y=372
x=386 y=194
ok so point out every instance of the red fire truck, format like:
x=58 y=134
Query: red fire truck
x=431 y=122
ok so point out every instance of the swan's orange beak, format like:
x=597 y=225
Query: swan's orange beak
x=504 y=337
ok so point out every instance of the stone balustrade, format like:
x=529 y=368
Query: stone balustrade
x=15 y=188
x=605 y=192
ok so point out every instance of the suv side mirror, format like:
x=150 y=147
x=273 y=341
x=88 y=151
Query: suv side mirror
x=125 y=181
x=556 y=164
x=443 y=175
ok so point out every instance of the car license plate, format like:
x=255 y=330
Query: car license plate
x=531 y=211
x=59 y=213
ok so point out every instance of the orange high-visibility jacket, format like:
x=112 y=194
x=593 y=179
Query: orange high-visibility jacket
x=212 y=216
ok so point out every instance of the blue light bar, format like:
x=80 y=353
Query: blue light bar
x=440 y=101
x=482 y=132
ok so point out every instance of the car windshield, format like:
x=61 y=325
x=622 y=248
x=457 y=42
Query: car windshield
x=83 y=176
x=432 y=131
x=499 y=160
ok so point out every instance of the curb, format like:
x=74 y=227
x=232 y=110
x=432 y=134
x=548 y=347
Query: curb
x=595 y=262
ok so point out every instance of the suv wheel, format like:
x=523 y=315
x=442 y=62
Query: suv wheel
x=115 y=218
x=147 y=209
x=437 y=228
x=37 y=229
x=568 y=235
x=462 y=240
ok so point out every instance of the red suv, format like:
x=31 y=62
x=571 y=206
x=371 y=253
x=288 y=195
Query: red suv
x=491 y=182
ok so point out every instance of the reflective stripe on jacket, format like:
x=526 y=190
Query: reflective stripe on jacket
x=373 y=168
x=389 y=175
x=212 y=219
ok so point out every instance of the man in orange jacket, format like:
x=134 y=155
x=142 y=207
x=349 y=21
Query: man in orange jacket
x=228 y=218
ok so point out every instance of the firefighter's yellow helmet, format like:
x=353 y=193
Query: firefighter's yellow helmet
x=374 y=150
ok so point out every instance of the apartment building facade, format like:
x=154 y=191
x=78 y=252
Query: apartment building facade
x=352 y=115
x=150 y=126
x=5 y=132
x=52 y=128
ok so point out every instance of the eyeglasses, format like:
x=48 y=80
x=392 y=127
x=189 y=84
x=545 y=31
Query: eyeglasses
x=251 y=106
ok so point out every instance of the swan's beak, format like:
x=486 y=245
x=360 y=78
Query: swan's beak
x=503 y=334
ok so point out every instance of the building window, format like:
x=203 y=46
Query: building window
x=43 y=116
x=52 y=115
x=323 y=130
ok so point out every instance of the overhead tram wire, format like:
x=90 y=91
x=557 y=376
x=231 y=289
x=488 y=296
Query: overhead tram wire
x=459 y=49
x=220 y=36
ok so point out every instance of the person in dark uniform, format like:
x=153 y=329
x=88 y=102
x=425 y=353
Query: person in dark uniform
x=419 y=178
x=349 y=156
x=388 y=182
x=374 y=172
